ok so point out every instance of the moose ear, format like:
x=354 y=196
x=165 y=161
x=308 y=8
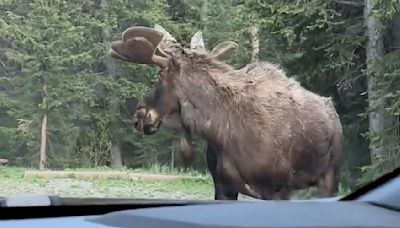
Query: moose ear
x=223 y=50
x=197 y=42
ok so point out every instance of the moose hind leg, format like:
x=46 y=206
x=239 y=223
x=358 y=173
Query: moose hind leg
x=328 y=184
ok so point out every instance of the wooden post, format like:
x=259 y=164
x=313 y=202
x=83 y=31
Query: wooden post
x=115 y=151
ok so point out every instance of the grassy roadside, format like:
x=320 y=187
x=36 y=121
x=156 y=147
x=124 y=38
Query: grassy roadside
x=12 y=182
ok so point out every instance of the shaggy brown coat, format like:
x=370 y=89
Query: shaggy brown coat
x=221 y=52
x=291 y=136
x=222 y=190
x=271 y=135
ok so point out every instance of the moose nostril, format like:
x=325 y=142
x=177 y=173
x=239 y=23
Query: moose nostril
x=148 y=116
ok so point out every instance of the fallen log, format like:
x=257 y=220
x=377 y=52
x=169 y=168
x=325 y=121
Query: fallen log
x=103 y=175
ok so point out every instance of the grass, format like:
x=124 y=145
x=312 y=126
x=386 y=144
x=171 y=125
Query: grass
x=159 y=169
x=11 y=172
x=12 y=182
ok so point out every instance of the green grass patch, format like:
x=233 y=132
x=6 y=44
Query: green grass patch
x=187 y=186
x=11 y=172
x=13 y=183
x=162 y=169
x=201 y=186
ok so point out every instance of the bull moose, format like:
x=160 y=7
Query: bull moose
x=221 y=51
x=174 y=122
x=270 y=135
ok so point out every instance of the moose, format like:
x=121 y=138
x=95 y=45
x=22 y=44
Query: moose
x=270 y=135
x=221 y=51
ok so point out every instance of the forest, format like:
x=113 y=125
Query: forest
x=64 y=103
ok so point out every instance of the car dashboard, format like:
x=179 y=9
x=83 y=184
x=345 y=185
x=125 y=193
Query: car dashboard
x=240 y=214
x=376 y=205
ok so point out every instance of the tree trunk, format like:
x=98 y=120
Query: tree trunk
x=43 y=143
x=204 y=16
x=255 y=42
x=204 y=21
x=172 y=158
x=395 y=32
x=116 y=158
x=115 y=151
x=374 y=51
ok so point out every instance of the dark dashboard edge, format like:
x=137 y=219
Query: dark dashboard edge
x=384 y=206
x=372 y=185
x=30 y=212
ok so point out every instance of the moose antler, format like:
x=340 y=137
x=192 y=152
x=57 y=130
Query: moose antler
x=221 y=51
x=197 y=42
x=139 y=45
x=145 y=45
x=168 y=44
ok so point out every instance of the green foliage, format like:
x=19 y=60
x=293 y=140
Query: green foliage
x=63 y=46
x=14 y=183
x=386 y=9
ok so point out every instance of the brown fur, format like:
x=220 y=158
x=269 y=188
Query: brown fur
x=270 y=135
x=174 y=122
x=220 y=52
x=274 y=136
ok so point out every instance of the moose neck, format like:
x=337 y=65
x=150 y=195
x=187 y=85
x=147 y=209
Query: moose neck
x=210 y=102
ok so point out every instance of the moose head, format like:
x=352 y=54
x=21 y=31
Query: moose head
x=156 y=46
x=143 y=116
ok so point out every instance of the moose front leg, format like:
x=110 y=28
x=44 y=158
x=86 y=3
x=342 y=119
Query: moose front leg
x=186 y=146
x=222 y=190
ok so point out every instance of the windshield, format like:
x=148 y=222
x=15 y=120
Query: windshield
x=206 y=99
